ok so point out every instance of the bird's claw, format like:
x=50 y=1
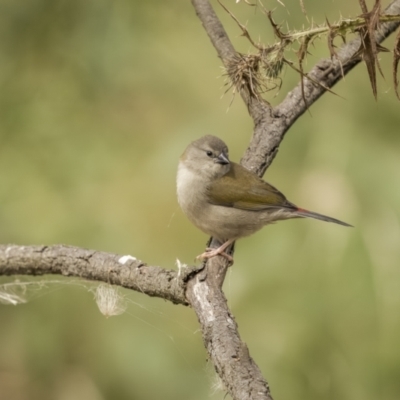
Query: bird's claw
x=209 y=253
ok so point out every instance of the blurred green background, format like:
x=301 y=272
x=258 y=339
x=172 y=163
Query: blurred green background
x=98 y=99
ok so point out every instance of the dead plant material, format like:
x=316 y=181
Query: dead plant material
x=260 y=72
x=369 y=48
x=396 y=59
x=254 y=73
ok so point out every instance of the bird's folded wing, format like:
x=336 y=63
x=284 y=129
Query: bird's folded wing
x=242 y=189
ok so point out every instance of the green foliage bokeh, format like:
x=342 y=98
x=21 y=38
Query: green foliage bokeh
x=98 y=99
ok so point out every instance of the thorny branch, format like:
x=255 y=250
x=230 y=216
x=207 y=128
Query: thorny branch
x=270 y=126
x=259 y=72
x=272 y=123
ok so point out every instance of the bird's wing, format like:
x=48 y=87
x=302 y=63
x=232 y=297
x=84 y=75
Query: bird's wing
x=242 y=189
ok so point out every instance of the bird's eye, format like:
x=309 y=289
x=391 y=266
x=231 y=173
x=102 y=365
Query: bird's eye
x=209 y=153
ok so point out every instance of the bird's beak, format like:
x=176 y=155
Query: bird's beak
x=222 y=159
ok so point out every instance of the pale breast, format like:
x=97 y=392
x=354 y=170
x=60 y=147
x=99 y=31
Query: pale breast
x=185 y=185
x=192 y=197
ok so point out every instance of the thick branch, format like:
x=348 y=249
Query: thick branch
x=97 y=266
x=230 y=356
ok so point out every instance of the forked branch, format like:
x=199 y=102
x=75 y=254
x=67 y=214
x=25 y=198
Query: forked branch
x=270 y=126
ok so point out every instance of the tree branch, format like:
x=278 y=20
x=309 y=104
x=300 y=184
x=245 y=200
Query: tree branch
x=97 y=266
x=231 y=358
x=271 y=124
x=226 y=52
x=203 y=292
x=270 y=132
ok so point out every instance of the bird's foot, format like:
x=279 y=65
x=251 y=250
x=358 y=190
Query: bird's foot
x=220 y=251
x=209 y=253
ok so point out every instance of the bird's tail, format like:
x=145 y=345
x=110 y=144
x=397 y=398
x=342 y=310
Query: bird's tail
x=305 y=213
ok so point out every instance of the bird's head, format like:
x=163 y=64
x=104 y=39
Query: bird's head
x=207 y=156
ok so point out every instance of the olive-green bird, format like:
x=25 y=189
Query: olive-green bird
x=227 y=201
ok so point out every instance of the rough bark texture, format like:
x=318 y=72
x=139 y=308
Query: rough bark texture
x=95 y=265
x=229 y=354
x=201 y=287
x=271 y=124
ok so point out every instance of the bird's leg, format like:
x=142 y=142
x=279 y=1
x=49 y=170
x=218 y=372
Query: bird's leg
x=220 y=251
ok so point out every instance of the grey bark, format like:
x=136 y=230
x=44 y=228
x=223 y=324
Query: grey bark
x=97 y=266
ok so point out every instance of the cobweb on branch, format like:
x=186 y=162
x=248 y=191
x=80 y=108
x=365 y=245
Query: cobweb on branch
x=13 y=293
x=109 y=300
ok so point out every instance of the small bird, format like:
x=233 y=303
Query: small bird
x=227 y=201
